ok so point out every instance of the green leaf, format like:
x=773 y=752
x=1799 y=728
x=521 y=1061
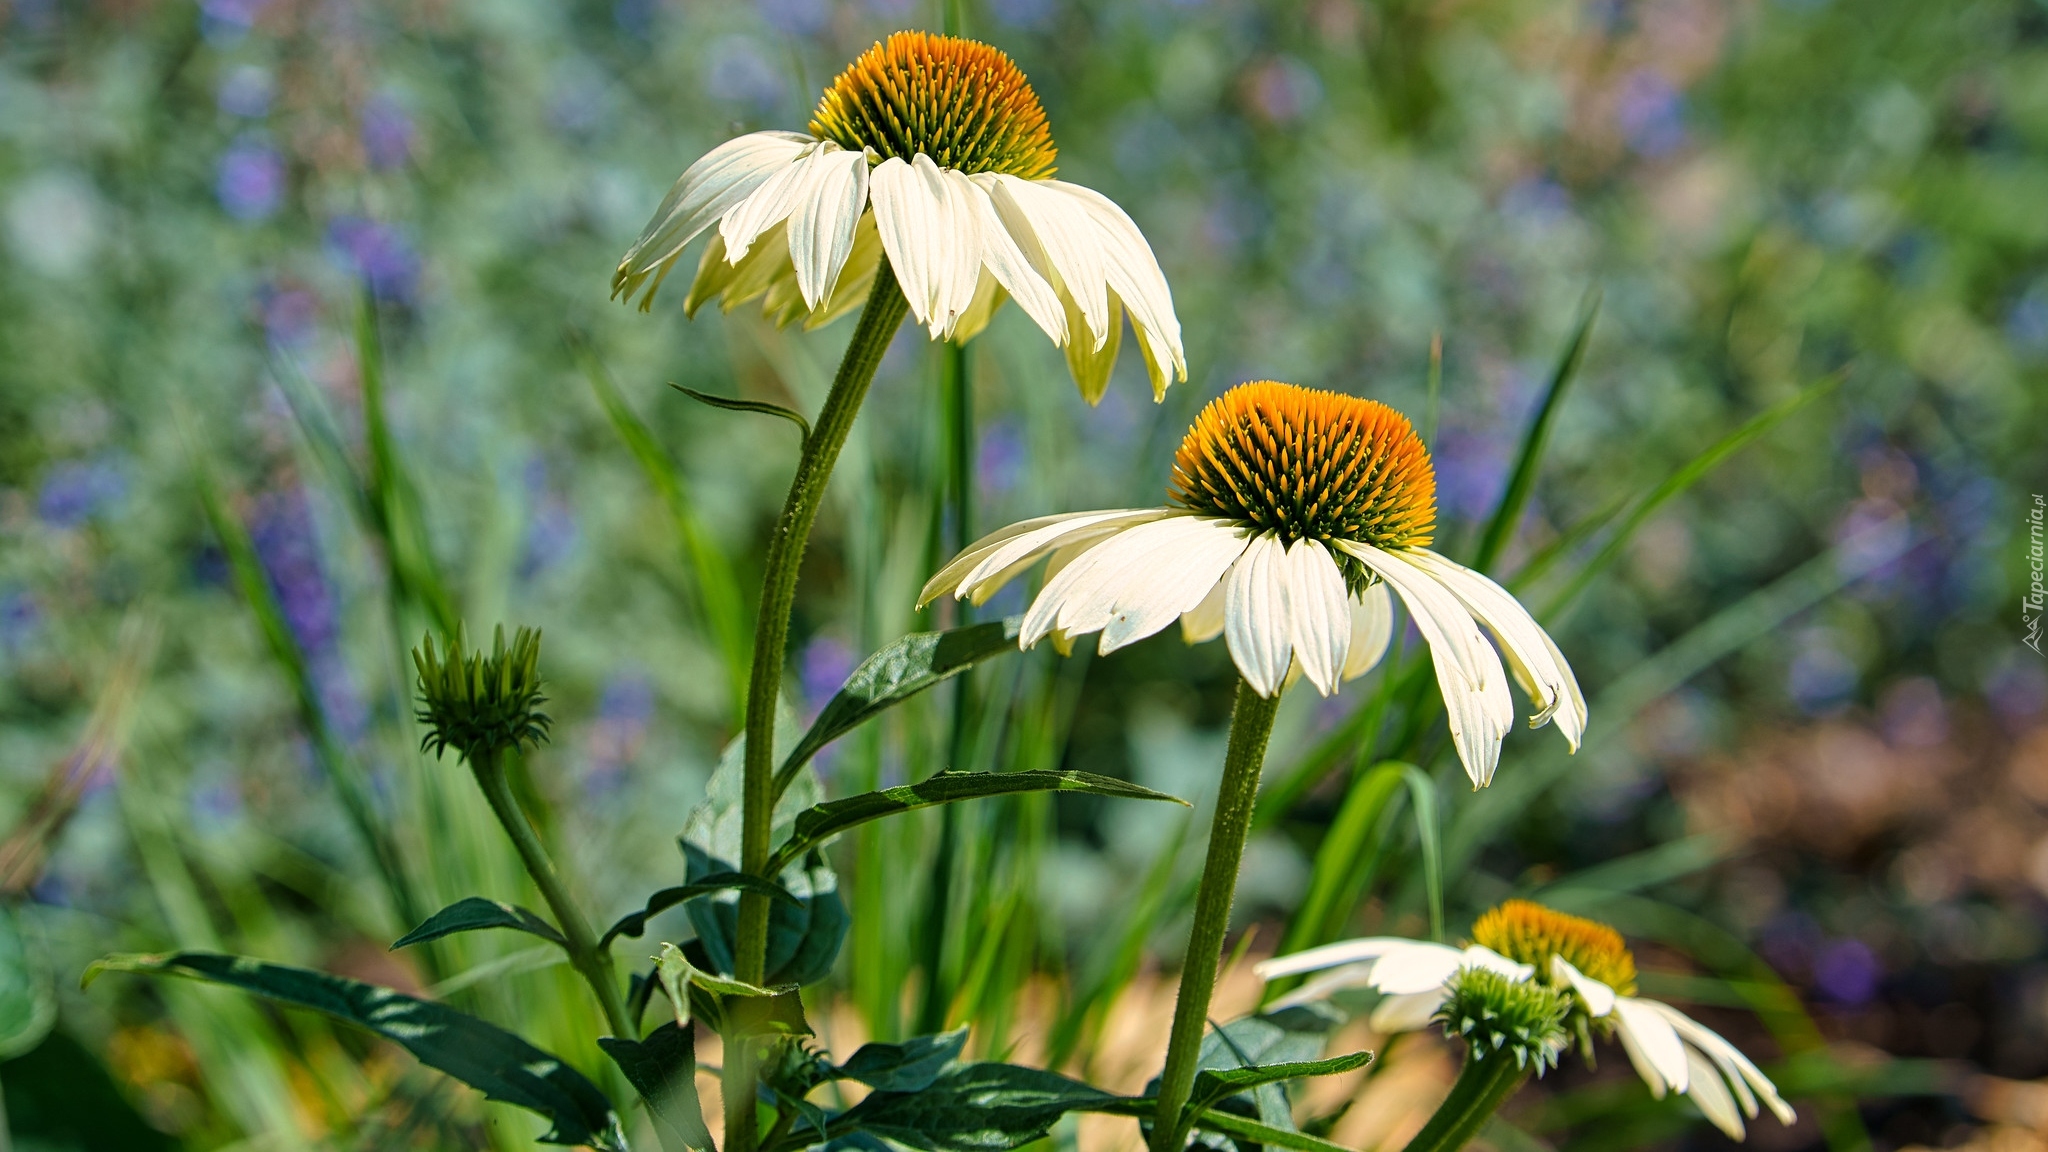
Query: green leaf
x=676 y=971
x=484 y=1056
x=1213 y=1084
x=1266 y=1134
x=905 y=1066
x=735 y=404
x=1288 y=1036
x=662 y=1067
x=732 y=1007
x=1522 y=479
x=804 y=935
x=635 y=923
x=474 y=912
x=821 y=823
x=1428 y=832
x=973 y=1108
x=28 y=1002
x=897 y=672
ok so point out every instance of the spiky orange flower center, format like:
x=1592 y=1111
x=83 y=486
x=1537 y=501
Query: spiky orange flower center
x=960 y=102
x=1526 y=931
x=1308 y=464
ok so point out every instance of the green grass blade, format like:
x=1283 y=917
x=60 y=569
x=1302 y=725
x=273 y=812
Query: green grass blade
x=1422 y=797
x=1348 y=842
x=1522 y=478
x=389 y=489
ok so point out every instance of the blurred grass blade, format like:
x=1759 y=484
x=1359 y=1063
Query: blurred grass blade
x=1433 y=390
x=1522 y=477
x=1113 y=967
x=816 y=825
x=902 y=669
x=499 y=1064
x=473 y=913
x=1646 y=869
x=1685 y=477
x=1567 y=541
x=390 y=492
x=1428 y=833
x=1344 y=847
x=736 y=404
x=719 y=600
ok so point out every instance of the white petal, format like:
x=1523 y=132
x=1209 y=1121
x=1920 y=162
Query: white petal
x=825 y=219
x=1596 y=996
x=1722 y=1052
x=1064 y=244
x=1012 y=558
x=954 y=574
x=1710 y=1093
x=1196 y=569
x=988 y=296
x=856 y=278
x=1319 y=613
x=961 y=256
x=1255 y=615
x=911 y=213
x=734 y=284
x=1547 y=679
x=1652 y=1042
x=768 y=205
x=1004 y=258
x=1372 y=629
x=1133 y=273
x=1480 y=956
x=1417 y=966
x=1204 y=621
x=1330 y=955
x=1119 y=569
x=1320 y=988
x=1405 y=1013
x=706 y=190
x=1091 y=363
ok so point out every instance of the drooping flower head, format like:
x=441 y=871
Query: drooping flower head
x=931 y=152
x=1293 y=512
x=1582 y=961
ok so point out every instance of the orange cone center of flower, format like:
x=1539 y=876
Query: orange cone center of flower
x=1530 y=933
x=1308 y=464
x=960 y=102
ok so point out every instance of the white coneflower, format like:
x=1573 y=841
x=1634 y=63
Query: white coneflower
x=1293 y=512
x=1525 y=941
x=933 y=151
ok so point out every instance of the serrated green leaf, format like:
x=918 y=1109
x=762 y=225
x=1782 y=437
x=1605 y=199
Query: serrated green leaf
x=662 y=1067
x=1214 y=1084
x=634 y=923
x=474 y=912
x=973 y=1108
x=905 y=1066
x=819 y=824
x=900 y=670
x=482 y=1055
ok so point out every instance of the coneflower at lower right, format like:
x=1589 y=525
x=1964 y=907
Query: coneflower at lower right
x=1293 y=511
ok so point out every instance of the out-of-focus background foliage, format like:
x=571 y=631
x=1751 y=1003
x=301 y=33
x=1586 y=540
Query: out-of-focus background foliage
x=1819 y=752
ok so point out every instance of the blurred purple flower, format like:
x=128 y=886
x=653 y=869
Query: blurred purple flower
x=379 y=253
x=2018 y=688
x=246 y=91
x=1284 y=89
x=20 y=619
x=1536 y=202
x=1471 y=468
x=215 y=805
x=1871 y=538
x=1847 y=972
x=795 y=17
x=636 y=17
x=75 y=490
x=623 y=714
x=1651 y=114
x=2026 y=324
x=824 y=666
x=289 y=314
x=1000 y=458
x=551 y=534
x=740 y=72
x=1820 y=676
x=1030 y=15
x=387 y=133
x=228 y=20
x=251 y=180
x=281 y=527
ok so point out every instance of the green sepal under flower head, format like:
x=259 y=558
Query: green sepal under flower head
x=1500 y=1017
x=478 y=704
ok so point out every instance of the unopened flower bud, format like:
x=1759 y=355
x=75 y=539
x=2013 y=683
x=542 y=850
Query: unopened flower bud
x=1502 y=1018
x=478 y=704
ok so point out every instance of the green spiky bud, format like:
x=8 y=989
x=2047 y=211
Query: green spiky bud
x=478 y=704
x=1502 y=1018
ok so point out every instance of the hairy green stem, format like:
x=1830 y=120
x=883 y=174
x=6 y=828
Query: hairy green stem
x=1482 y=1087
x=879 y=319
x=1251 y=723
x=593 y=962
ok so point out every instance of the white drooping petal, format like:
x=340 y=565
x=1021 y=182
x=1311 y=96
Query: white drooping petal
x=1406 y=1012
x=1416 y=966
x=1193 y=570
x=1256 y=621
x=1064 y=244
x=960 y=260
x=1743 y=1074
x=1205 y=620
x=1006 y=260
x=1480 y=956
x=1023 y=541
x=1319 y=611
x=988 y=296
x=1065 y=545
x=1468 y=672
x=1710 y=1093
x=733 y=284
x=768 y=205
x=1547 y=679
x=914 y=216
x=825 y=219
x=1596 y=996
x=856 y=277
x=1088 y=363
x=1330 y=956
x=1321 y=987
x=1084 y=596
x=1372 y=629
x=1653 y=1043
x=1133 y=273
x=707 y=190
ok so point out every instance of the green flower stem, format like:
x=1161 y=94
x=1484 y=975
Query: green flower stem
x=879 y=319
x=1482 y=1087
x=594 y=963
x=1251 y=724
